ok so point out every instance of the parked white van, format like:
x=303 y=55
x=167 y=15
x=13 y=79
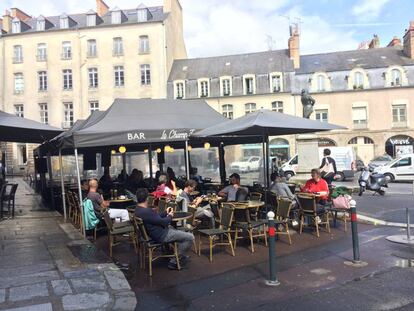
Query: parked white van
x=401 y=168
x=344 y=157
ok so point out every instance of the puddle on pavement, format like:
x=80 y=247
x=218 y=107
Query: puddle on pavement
x=89 y=254
x=404 y=263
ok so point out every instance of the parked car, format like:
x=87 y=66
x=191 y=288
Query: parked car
x=379 y=161
x=249 y=164
x=398 y=169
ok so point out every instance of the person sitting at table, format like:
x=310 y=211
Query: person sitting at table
x=122 y=176
x=162 y=187
x=105 y=183
x=135 y=181
x=159 y=228
x=234 y=191
x=184 y=199
x=318 y=186
x=99 y=203
x=280 y=187
x=171 y=177
x=194 y=175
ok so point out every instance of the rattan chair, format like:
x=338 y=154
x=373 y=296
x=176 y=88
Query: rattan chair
x=224 y=231
x=283 y=216
x=118 y=229
x=8 y=195
x=309 y=208
x=146 y=245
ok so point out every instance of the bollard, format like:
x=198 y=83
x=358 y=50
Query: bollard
x=354 y=226
x=272 y=250
x=408 y=225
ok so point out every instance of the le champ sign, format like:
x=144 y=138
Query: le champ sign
x=166 y=135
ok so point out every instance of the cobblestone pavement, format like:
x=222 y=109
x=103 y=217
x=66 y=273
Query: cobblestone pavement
x=40 y=266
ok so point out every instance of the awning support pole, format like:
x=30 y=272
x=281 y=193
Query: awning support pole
x=49 y=169
x=150 y=162
x=124 y=166
x=187 y=160
x=80 y=193
x=267 y=162
x=62 y=184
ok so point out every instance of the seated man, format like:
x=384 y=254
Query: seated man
x=99 y=203
x=184 y=198
x=231 y=191
x=317 y=185
x=159 y=229
x=279 y=187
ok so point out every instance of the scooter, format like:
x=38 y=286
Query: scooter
x=371 y=181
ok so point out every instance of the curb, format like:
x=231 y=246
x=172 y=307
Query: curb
x=380 y=222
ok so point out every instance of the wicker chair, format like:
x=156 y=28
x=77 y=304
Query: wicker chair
x=309 y=208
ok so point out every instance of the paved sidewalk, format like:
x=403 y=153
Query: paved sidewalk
x=45 y=264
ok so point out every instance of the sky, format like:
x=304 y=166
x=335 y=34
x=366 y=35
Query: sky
x=220 y=27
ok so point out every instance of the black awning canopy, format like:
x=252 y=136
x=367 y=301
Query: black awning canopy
x=147 y=121
x=264 y=123
x=22 y=130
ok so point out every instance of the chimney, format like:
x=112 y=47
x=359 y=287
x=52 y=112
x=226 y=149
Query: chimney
x=395 y=41
x=15 y=12
x=409 y=41
x=101 y=8
x=375 y=43
x=293 y=45
x=7 y=21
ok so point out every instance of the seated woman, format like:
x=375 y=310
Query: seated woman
x=162 y=188
x=135 y=181
x=184 y=199
x=318 y=186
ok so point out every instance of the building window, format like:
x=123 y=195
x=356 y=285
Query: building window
x=18 y=83
x=119 y=76
x=321 y=115
x=93 y=106
x=41 y=52
x=142 y=15
x=22 y=154
x=226 y=88
x=276 y=85
x=204 y=89
x=358 y=80
x=277 y=106
x=249 y=108
x=67 y=79
x=91 y=20
x=321 y=87
x=16 y=26
x=359 y=117
x=40 y=25
x=116 y=17
x=44 y=117
x=399 y=115
x=227 y=111
x=395 y=77
x=144 y=46
x=93 y=77
x=17 y=54
x=145 y=74
x=179 y=89
x=64 y=22
x=19 y=110
x=66 y=50
x=42 y=77
x=118 y=47
x=67 y=115
x=249 y=85
x=92 y=48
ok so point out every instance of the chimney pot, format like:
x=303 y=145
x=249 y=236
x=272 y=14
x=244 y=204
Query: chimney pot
x=408 y=46
x=101 y=8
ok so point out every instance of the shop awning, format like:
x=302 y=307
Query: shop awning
x=22 y=130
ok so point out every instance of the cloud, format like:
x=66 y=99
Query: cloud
x=368 y=9
x=218 y=27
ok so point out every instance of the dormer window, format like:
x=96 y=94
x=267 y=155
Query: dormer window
x=116 y=17
x=276 y=82
x=143 y=14
x=91 y=19
x=249 y=84
x=396 y=77
x=40 y=24
x=16 y=26
x=64 y=22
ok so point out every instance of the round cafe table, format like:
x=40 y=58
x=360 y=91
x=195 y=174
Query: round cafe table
x=120 y=200
x=248 y=204
x=120 y=203
x=179 y=216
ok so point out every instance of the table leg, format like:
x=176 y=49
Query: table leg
x=336 y=216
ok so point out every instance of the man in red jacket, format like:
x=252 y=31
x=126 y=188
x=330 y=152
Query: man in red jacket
x=317 y=185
